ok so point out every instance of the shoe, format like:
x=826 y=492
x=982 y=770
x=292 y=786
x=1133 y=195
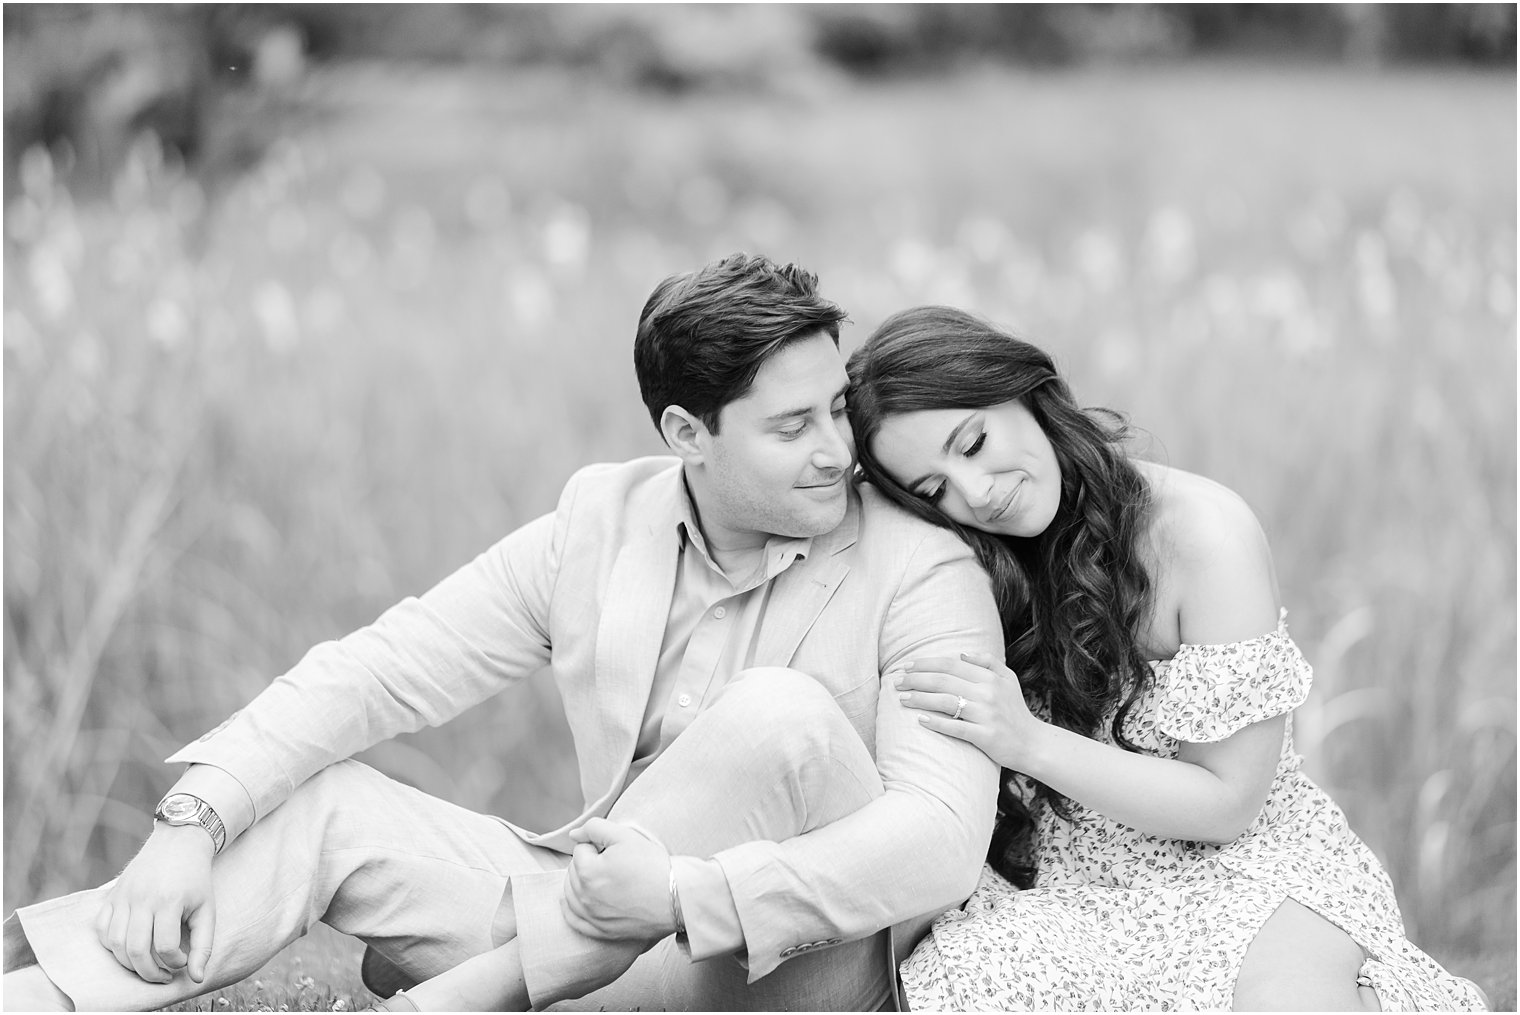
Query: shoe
x=382 y=977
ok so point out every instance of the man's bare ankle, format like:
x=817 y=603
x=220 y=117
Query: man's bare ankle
x=18 y=950
x=29 y=989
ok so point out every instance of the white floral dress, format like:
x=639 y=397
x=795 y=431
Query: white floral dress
x=1122 y=920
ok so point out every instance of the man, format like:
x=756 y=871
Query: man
x=759 y=808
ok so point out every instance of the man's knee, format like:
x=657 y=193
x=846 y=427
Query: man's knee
x=774 y=756
x=789 y=725
x=782 y=713
x=780 y=698
x=337 y=798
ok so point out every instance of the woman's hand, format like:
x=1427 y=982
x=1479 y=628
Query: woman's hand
x=974 y=698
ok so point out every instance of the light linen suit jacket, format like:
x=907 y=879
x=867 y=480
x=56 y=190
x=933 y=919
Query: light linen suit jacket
x=587 y=591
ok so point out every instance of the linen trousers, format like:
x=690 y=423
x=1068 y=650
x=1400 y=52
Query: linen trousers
x=429 y=884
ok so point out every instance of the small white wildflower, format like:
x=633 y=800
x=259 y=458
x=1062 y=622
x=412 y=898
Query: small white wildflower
x=222 y=1002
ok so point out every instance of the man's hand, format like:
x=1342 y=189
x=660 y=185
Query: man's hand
x=167 y=884
x=618 y=886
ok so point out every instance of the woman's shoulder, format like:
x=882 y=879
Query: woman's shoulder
x=1194 y=516
x=1210 y=558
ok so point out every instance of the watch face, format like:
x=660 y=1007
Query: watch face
x=178 y=808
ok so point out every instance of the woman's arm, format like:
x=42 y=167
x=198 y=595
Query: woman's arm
x=1216 y=558
x=1212 y=796
x=1211 y=793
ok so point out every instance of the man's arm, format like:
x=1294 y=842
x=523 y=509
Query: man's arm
x=422 y=662
x=916 y=849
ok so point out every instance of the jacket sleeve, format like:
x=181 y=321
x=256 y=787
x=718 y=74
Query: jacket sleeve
x=424 y=661
x=919 y=847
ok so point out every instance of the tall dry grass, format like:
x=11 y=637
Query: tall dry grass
x=243 y=420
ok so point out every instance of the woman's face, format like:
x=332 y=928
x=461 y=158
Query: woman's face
x=991 y=469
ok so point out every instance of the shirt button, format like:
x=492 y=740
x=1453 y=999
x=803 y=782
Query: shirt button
x=720 y=612
x=684 y=700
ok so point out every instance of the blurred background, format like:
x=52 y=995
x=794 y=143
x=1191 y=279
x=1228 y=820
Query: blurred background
x=305 y=305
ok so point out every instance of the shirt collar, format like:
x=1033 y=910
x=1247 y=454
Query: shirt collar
x=780 y=551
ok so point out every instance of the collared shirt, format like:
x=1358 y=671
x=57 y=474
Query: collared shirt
x=710 y=633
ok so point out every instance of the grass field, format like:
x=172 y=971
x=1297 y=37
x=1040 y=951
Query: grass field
x=246 y=417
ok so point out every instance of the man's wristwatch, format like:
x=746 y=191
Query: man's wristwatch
x=184 y=809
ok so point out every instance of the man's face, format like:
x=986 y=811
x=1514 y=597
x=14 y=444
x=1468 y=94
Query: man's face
x=781 y=460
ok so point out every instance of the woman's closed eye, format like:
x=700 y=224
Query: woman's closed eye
x=933 y=493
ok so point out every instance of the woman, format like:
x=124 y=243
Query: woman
x=1170 y=851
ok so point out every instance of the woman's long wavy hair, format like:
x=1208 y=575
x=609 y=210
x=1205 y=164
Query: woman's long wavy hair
x=1071 y=599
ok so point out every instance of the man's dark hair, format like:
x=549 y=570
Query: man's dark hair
x=704 y=334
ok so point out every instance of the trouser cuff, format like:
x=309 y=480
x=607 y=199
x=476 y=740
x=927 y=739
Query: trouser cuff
x=559 y=963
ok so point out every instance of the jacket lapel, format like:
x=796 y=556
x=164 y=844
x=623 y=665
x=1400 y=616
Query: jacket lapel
x=635 y=608
x=804 y=589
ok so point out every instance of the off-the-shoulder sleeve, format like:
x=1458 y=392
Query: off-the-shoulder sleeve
x=1209 y=692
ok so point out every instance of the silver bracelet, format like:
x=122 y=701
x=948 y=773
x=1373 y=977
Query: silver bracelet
x=675 y=903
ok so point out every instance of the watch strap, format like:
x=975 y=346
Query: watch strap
x=204 y=816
